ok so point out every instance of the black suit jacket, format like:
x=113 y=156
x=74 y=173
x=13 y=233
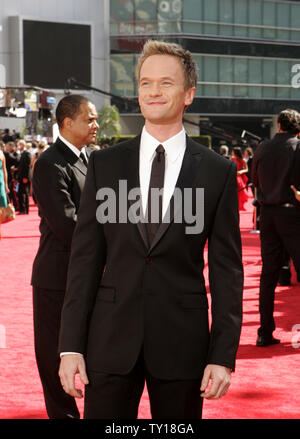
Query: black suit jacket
x=58 y=180
x=24 y=166
x=121 y=294
x=275 y=167
x=12 y=160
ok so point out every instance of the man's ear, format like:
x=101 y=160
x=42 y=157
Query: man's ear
x=67 y=123
x=189 y=96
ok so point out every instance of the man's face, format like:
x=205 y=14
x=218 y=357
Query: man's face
x=162 y=92
x=83 y=129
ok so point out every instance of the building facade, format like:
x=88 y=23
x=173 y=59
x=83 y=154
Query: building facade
x=247 y=52
x=44 y=43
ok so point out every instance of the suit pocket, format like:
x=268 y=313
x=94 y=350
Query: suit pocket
x=194 y=301
x=107 y=294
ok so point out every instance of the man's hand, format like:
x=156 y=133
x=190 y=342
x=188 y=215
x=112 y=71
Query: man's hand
x=296 y=193
x=219 y=378
x=70 y=365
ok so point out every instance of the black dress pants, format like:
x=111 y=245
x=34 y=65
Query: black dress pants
x=23 y=197
x=13 y=194
x=47 y=305
x=118 y=396
x=279 y=230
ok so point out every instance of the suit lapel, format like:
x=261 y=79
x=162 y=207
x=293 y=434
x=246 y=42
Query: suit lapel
x=71 y=157
x=133 y=181
x=186 y=179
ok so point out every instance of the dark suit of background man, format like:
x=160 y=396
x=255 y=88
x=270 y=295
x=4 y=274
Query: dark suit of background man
x=145 y=316
x=273 y=172
x=58 y=180
x=24 y=178
x=12 y=161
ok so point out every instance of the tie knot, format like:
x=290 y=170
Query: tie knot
x=83 y=158
x=160 y=150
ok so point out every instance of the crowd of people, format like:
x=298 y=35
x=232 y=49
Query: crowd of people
x=124 y=303
x=243 y=157
x=17 y=162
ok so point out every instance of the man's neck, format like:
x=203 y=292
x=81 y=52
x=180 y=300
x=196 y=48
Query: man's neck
x=72 y=141
x=163 y=132
x=280 y=131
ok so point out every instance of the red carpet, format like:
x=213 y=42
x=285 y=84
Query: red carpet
x=266 y=383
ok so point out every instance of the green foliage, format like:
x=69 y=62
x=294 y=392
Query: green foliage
x=109 y=123
x=204 y=140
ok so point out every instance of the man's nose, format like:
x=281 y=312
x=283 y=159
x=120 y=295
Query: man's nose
x=155 y=90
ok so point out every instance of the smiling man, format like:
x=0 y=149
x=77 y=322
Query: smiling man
x=136 y=308
x=58 y=180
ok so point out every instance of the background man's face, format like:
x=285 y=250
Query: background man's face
x=84 y=127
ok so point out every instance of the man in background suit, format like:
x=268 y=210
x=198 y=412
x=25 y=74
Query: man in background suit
x=136 y=307
x=275 y=169
x=24 y=178
x=58 y=179
x=12 y=161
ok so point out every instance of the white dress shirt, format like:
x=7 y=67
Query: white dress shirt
x=73 y=148
x=174 y=152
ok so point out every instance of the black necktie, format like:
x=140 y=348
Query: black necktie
x=154 y=207
x=82 y=156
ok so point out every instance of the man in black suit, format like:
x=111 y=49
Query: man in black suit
x=274 y=171
x=24 y=178
x=58 y=179
x=136 y=307
x=12 y=161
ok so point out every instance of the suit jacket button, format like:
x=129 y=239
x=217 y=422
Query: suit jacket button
x=148 y=260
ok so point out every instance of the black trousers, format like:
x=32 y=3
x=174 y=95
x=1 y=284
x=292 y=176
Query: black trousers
x=118 y=396
x=279 y=230
x=47 y=305
x=23 y=196
x=13 y=194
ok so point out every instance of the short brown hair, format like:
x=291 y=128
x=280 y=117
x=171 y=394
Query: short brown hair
x=289 y=120
x=189 y=66
x=69 y=106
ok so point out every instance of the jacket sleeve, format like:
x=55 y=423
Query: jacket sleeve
x=226 y=276
x=88 y=257
x=51 y=187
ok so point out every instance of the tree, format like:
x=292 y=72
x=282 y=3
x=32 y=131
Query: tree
x=109 y=123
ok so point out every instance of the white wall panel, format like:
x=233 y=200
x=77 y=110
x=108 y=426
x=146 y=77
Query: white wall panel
x=95 y=12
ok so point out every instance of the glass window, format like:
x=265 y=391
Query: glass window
x=192 y=10
x=169 y=16
x=226 y=69
x=254 y=77
x=255 y=70
x=145 y=10
x=210 y=69
x=295 y=21
x=283 y=20
x=226 y=16
x=122 y=75
x=269 y=19
x=211 y=13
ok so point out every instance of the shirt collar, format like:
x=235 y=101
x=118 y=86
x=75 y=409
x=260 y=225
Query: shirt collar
x=72 y=147
x=173 y=146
